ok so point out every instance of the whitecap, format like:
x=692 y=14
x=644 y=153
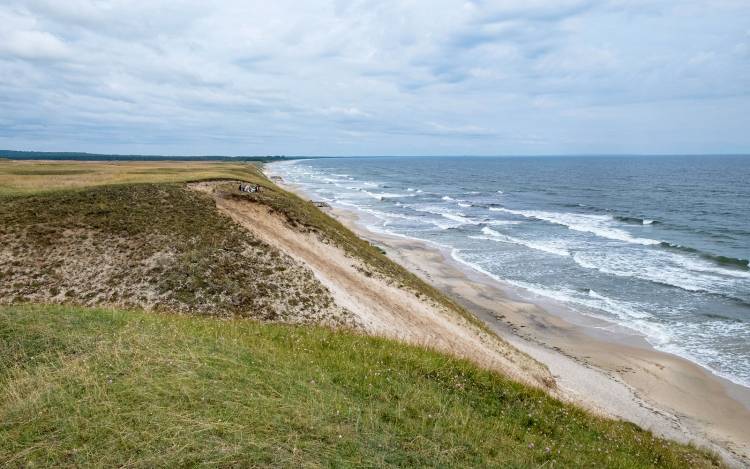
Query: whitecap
x=502 y=222
x=599 y=225
x=549 y=247
x=659 y=267
x=385 y=195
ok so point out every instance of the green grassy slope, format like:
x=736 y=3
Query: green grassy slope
x=83 y=387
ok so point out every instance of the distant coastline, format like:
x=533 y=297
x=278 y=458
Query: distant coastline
x=82 y=156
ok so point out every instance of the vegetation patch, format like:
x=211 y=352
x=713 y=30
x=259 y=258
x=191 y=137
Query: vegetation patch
x=81 y=387
x=46 y=172
x=33 y=177
x=155 y=246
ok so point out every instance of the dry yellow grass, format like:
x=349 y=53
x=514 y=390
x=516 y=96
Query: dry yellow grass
x=27 y=177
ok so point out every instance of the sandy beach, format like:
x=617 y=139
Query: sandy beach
x=605 y=368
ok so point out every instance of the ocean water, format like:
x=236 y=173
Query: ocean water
x=659 y=245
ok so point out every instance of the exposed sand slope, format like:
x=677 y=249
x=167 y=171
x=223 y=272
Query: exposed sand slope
x=379 y=306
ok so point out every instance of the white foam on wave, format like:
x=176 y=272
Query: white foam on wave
x=385 y=231
x=702 y=265
x=447 y=220
x=632 y=315
x=599 y=225
x=447 y=198
x=385 y=195
x=660 y=267
x=392 y=215
x=694 y=341
x=502 y=222
x=388 y=218
x=348 y=204
x=460 y=218
x=464 y=205
x=457 y=217
x=648 y=222
x=698 y=344
x=624 y=310
x=548 y=247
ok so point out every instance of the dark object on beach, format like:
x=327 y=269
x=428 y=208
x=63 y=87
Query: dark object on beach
x=249 y=188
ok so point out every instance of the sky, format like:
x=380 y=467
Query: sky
x=360 y=77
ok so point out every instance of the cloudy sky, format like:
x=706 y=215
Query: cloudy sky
x=380 y=77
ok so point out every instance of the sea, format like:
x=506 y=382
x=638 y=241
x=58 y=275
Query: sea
x=656 y=244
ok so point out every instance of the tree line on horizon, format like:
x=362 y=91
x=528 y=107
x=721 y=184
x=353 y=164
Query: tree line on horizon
x=82 y=156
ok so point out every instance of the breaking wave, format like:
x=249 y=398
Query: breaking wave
x=599 y=225
x=548 y=247
x=636 y=220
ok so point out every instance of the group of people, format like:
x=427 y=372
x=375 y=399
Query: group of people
x=249 y=188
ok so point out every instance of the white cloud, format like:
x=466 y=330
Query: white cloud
x=301 y=77
x=33 y=45
x=345 y=111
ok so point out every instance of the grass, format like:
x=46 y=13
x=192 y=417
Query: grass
x=93 y=387
x=33 y=177
x=159 y=246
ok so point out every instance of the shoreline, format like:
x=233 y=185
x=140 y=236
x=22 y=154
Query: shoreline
x=599 y=365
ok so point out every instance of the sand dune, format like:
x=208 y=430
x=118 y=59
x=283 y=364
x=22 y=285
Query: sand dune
x=379 y=306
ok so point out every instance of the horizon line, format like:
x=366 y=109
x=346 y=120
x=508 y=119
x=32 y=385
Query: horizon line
x=5 y=153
